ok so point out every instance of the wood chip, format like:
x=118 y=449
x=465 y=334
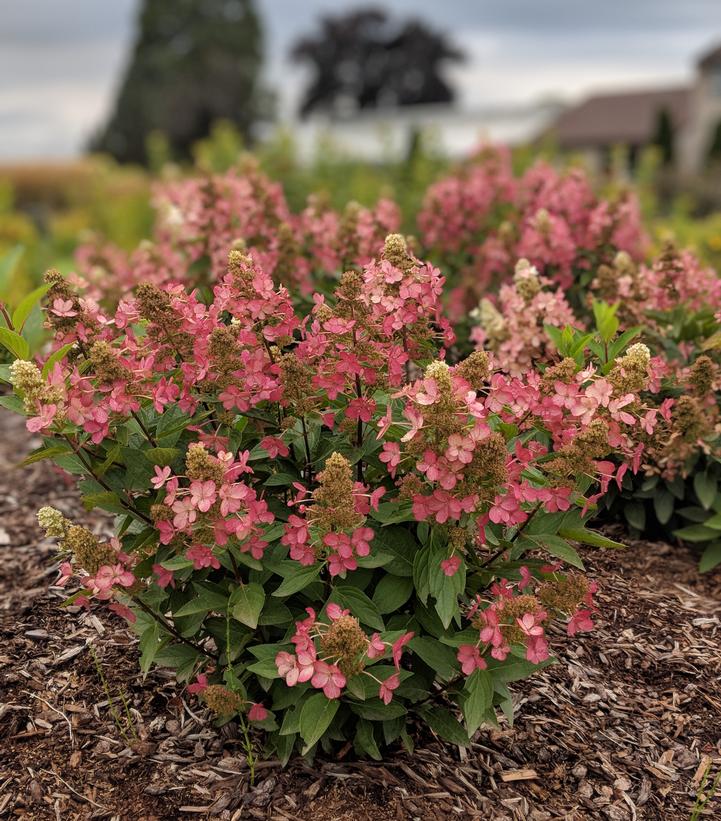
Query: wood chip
x=518 y=775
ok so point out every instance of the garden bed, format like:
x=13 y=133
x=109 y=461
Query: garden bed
x=623 y=727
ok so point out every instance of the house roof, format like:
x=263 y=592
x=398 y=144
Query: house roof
x=629 y=118
x=712 y=57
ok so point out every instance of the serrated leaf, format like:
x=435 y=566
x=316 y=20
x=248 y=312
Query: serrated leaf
x=439 y=657
x=246 y=604
x=446 y=726
x=364 y=741
x=280 y=480
x=359 y=604
x=393 y=512
x=713 y=342
x=401 y=544
x=392 y=592
x=297 y=580
x=478 y=698
x=105 y=500
x=315 y=718
x=513 y=669
x=203 y=601
x=22 y=312
x=44 y=453
x=14 y=343
x=591 y=537
x=375 y=710
x=150 y=643
x=557 y=547
x=12 y=403
x=163 y=457
x=56 y=357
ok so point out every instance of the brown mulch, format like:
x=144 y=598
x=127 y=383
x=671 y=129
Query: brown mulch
x=622 y=728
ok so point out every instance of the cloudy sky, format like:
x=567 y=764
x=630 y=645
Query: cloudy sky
x=60 y=60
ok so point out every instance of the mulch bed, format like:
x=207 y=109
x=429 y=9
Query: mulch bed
x=622 y=728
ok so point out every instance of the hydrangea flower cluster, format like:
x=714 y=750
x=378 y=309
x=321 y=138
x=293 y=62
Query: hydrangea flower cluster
x=515 y=330
x=481 y=219
x=201 y=219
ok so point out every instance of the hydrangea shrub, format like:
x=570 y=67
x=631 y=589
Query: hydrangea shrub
x=321 y=525
x=671 y=482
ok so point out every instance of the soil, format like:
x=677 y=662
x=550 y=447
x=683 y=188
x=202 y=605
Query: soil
x=623 y=727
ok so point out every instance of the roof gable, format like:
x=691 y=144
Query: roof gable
x=629 y=118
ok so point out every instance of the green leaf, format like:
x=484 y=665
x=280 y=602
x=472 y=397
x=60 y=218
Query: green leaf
x=711 y=557
x=316 y=717
x=714 y=521
x=635 y=514
x=375 y=710
x=696 y=533
x=606 y=321
x=298 y=579
x=364 y=741
x=280 y=480
x=163 y=457
x=275 y=613
x=284 y=746
x=265 y=668
x=557 y=547
x=13 y=403
x=663 y=506
x=359 y=604
x=446 y=726
x=619 y=344
x=205 y=599
x=393 y=512
x=14 y=343
x=105 y=500
x=22 y=312
x=44 y=453
x=590 y=537
x=514 y=669
x=149 y=645
x=392 y=593
x=479 y=697
x=705 y=488
x=439 y=657
x=401 y=544
x=8 y=264
x=55 y=357
x=246 y=604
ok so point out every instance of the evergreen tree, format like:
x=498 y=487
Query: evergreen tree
x=192 y=63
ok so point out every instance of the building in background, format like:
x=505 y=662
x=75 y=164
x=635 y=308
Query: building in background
x=685 y=122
